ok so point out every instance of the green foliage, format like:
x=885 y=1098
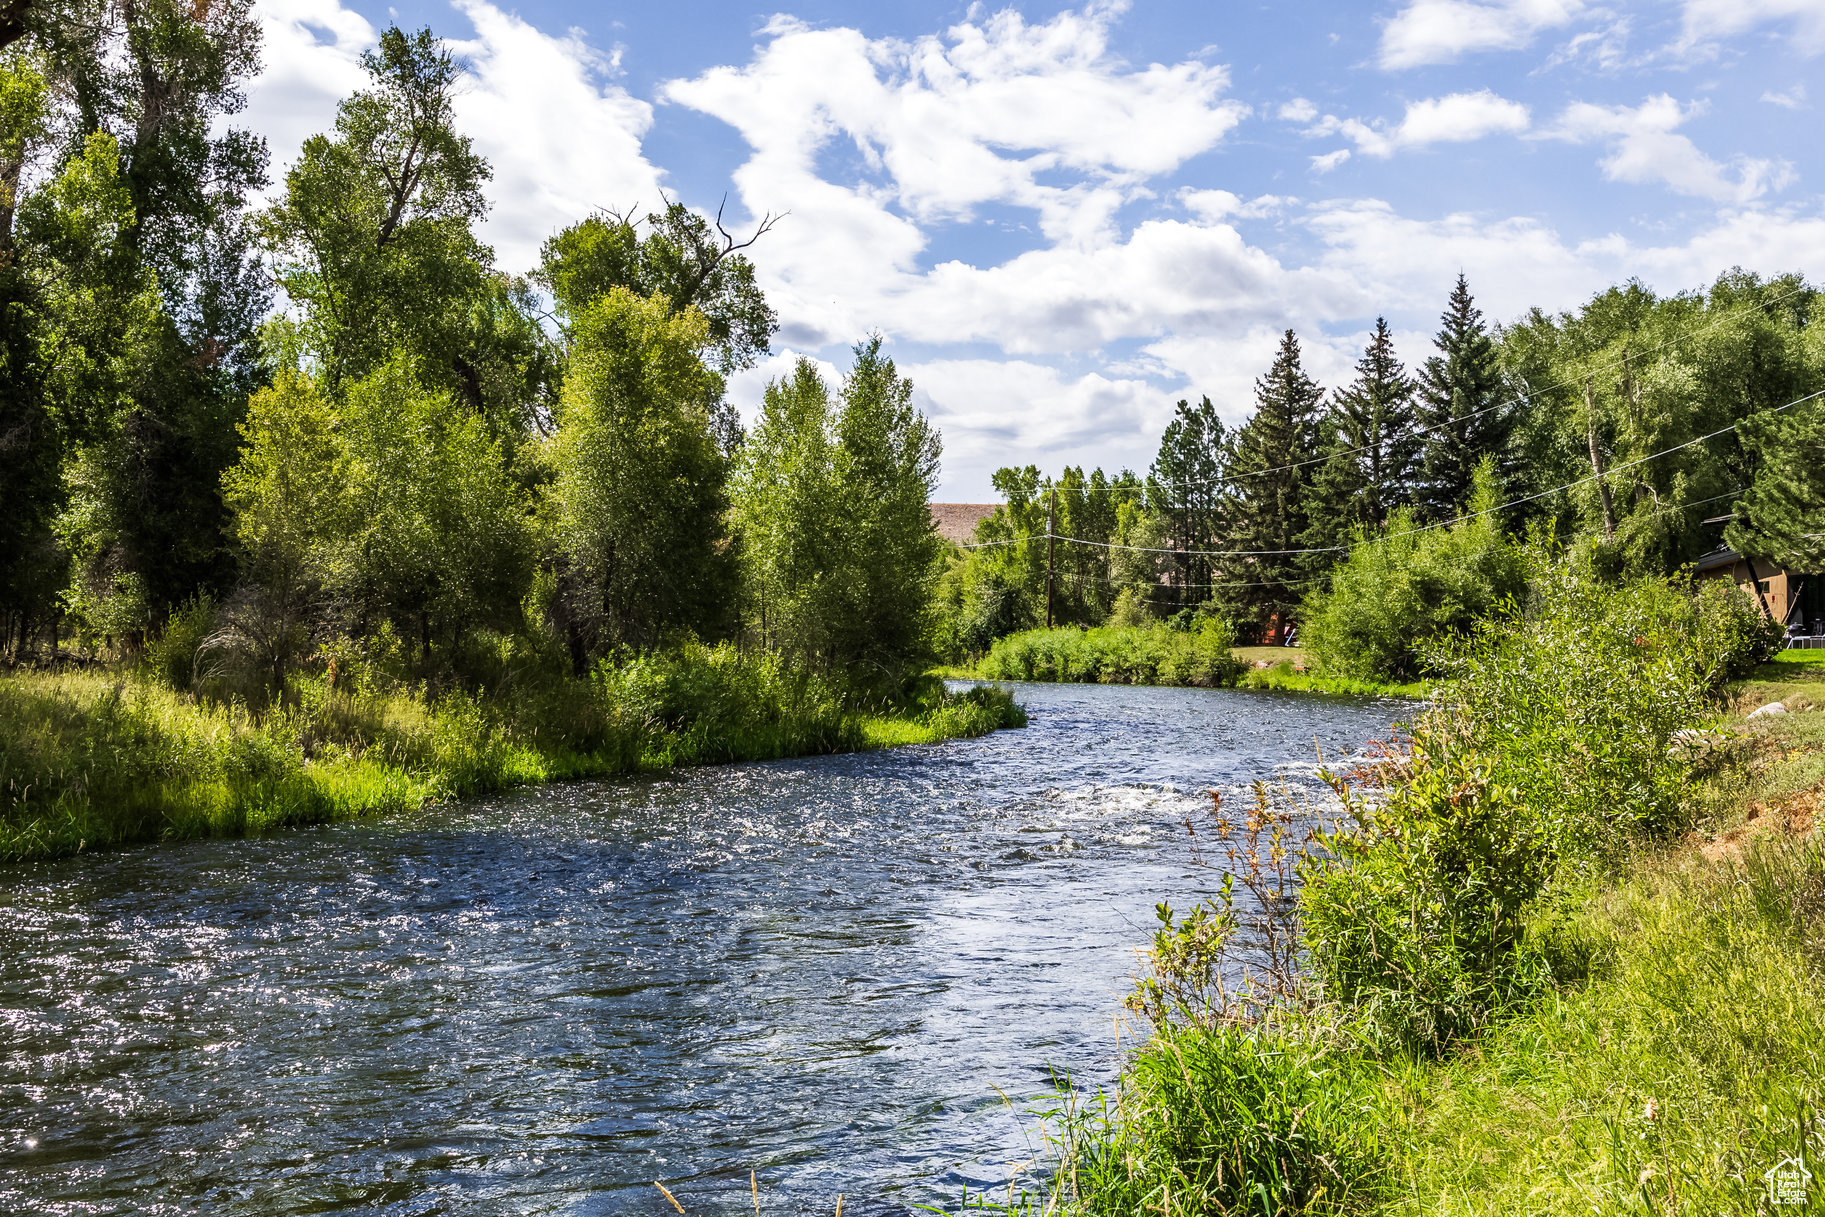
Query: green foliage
x=1402 y=589
x=1130 y=655
x=1186 y=486
x=1546 y=755
x=374 y=231
x=1464 y=408
x=839 y=552
x=1271 y=491
x=1686 y=1069
x=1372 y=449
x=87 y=761
x=678 y=258
x=1230 y=1119
x=636 y=507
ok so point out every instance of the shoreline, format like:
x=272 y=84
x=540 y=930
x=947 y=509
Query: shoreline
x=92 y=760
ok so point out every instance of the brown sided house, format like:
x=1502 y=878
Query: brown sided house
x=1793 y=598
x=957 y=521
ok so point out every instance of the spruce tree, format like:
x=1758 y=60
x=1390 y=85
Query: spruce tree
x=1270 y=488
x=1372 y=447
x=1462 y=411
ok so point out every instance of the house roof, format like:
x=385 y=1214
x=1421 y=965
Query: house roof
x=1717 y=558
x=957 y=521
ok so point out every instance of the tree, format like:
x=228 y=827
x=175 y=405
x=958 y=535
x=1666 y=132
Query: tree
x=289 y=495
x=1782 y=517
x=1185 y=489
x=639 y=493
x=1371 y=449
x=1463 y=411
x=678 y=258
x=373 y=236
x=832 y=501
x=1269 y=484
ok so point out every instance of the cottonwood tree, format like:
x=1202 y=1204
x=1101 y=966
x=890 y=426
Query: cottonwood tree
x=638 y=499
x=832 y=500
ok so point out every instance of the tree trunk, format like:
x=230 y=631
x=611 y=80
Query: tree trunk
x=1597 y=468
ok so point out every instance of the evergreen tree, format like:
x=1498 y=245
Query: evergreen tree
x=1185 y=488
x=1372 y=450
x=1462 y=410
x=1269 y=490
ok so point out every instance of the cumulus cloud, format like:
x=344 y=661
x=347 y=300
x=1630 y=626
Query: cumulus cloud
x=1792 y=99
x=1440 y=31
x=312 y=55
x=1456 y=118
x=519 y=78
x=1645 y=147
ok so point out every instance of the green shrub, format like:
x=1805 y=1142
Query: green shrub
x=1231 y=1120
x=171 y=656
x=1545 y=758
x=1118 y=655
x=1403 y=588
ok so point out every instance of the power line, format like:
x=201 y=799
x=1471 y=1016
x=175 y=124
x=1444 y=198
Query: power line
x=1236 y=553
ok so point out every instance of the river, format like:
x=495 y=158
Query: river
x=826 y=971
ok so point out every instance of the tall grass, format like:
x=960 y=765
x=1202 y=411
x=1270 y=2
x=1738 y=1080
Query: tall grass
x=1128 y=655
x=90 y=760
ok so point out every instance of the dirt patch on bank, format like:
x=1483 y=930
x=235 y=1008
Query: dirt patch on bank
x=1794 y=816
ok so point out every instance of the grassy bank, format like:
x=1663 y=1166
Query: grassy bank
x=1156 y=655
x=1563 y=956
x=89 y=760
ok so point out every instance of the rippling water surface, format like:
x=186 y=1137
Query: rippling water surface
x=827 y=971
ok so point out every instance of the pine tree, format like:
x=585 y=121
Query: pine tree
x=1461 y=408
x=1185 y=488
x=1270 y=487
x=1371 y=445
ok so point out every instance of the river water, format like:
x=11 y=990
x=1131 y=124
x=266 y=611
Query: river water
x=826 y=971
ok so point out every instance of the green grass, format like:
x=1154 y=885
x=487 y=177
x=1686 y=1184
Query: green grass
x=90 y=760
x=1667 y=1084
x=1282 y=675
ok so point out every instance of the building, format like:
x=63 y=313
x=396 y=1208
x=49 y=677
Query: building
x=1794 y=598
x=957 y=521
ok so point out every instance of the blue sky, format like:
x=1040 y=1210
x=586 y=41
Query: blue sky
x=1065 y=218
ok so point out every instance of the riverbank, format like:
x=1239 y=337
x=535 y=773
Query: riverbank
x=92 y=759
x=1160 y=656
x=1563 y=961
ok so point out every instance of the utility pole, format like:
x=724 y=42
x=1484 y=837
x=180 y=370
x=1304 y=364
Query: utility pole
x=1051 y=544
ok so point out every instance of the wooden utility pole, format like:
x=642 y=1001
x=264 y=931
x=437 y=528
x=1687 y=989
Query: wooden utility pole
x=1051 y=545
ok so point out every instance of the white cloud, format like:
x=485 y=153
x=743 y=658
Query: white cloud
x=1328 y=161
x=311 y=50
x=1792 y=99
x=1298 y=110
x=996 y=111
x=548 y=173
x=1645 y=147
x=1440 y=31
x=1456 y=118
x=1704 y=22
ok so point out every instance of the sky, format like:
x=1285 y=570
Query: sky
x=1063 y=219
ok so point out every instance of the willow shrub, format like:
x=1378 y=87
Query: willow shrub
x=1404 y=588
x=1126 y=655
x=1547 y=754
